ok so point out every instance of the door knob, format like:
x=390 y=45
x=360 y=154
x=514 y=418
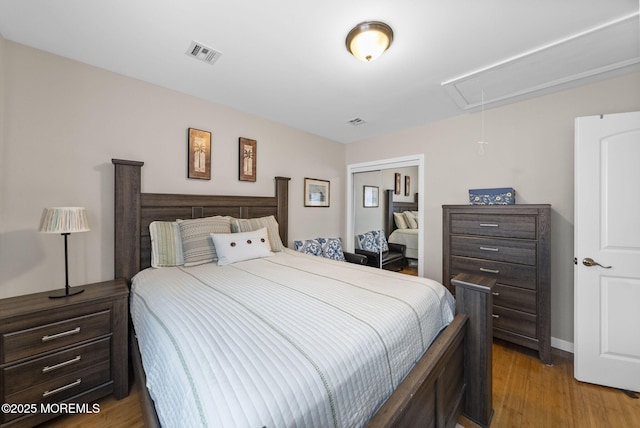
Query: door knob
x=590 y=262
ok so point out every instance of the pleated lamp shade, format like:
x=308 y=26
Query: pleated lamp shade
x=64 y=220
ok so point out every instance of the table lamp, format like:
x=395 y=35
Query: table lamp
x=64 y=220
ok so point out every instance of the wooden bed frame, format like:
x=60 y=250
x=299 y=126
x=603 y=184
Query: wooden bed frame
x=453 y=376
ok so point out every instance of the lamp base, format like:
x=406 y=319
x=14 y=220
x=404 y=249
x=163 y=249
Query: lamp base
x=66 y=292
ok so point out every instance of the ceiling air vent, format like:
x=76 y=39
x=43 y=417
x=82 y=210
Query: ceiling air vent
x=203 y=53
x=357 y=121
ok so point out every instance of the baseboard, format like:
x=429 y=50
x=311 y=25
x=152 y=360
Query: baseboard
x=563 y=345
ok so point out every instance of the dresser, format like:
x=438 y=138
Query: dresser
x=510 y=243
x=67 y=350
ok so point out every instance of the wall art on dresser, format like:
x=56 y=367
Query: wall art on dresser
x=199 y=158
x=407 y=185
x=396 y=188
x=248 y=159
x=316 y=192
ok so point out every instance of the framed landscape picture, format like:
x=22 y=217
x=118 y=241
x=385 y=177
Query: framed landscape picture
x=248 y=159
x=316 y=192
x=199 y=156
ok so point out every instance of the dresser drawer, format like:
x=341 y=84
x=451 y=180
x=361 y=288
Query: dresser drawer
x=504 y=273
x=505 y=250
x=45 y=369
x=515 y=298
x=498 y=225
x=61 y=388
x=514 y=321
x=33 y=341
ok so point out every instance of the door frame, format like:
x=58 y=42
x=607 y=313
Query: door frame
x=399 y=162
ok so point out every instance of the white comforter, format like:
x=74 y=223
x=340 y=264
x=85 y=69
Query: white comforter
x=289 y=340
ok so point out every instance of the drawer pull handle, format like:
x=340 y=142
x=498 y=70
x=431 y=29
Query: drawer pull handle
x=47 y=369
x=495 y=316
x=489 y=225
x=62 y=388
x=495 y=293
x=490 y=249
x=59 y=335
x=489 y=270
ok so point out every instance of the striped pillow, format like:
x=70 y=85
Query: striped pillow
x=197 y=245
x=166 y=244
x=251 y=224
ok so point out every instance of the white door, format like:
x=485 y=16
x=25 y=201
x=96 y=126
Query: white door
x=607 y=249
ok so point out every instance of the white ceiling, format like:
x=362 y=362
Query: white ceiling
x=285 y=60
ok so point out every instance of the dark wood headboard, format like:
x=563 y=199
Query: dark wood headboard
x=391 y=207
x=134 y=211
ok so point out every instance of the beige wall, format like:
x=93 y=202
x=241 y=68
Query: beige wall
x=530 y=148
x=63 y=123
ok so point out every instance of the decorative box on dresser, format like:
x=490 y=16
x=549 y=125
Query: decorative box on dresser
x=67 y=350
x=510 y=243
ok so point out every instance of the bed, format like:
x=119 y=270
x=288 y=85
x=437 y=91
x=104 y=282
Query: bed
x=429 y=388
x=406 y=236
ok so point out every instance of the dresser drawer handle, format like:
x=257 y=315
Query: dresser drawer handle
x=495 y=316
x=62 y=388
x=495 y=293
x=47 y=369
x=489 y=225
x=63 y=334
x=490 y=249
x=489 y=270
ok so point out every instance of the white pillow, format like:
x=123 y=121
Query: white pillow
x=236 y=247
x=400 y=221
x=251 y=224
x=411 y=219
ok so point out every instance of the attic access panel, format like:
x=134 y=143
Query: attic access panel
x=602 y=49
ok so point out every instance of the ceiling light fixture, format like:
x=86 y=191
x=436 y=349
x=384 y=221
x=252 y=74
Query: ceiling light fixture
x=368 y=40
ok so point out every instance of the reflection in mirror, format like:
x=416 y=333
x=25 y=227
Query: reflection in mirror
x=376 y=196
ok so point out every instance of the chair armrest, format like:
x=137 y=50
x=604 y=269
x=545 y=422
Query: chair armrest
x=359 y=259
x=373 y=259
x=398 y=248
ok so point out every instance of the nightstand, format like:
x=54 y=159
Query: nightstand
x=68 y=350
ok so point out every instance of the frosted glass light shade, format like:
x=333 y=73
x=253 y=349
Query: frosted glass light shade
x=368 y=40
x=64 y=220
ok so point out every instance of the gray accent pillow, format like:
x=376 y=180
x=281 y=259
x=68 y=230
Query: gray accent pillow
x=197 y=245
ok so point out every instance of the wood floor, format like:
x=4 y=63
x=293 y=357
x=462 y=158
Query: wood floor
x=526 y=393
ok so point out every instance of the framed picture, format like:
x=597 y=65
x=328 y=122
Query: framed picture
x=407 y=185
x=370 y=197
x=316 y=192
x=396 y=188
x=248 y=159
x=199 y=158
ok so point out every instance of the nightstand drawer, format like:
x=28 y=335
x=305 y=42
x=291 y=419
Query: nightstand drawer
x=505 y=250
x=61 y=388
x=499 y=225
x=45 y=369
x=33 y=341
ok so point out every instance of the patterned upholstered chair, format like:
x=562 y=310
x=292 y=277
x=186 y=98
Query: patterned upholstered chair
x=379 y=252
x=330 y=248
